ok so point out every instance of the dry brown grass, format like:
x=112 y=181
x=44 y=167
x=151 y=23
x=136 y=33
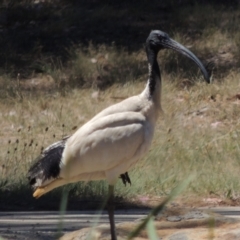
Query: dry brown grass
x=198 y=133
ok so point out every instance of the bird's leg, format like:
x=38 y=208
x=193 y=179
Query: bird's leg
x=125 y=178
x=111 y=211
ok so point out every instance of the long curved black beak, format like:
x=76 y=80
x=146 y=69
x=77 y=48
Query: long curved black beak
x=171 y=44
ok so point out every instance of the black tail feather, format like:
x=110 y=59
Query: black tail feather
x=47 y=165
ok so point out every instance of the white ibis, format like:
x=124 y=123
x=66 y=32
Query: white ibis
x=109 y=144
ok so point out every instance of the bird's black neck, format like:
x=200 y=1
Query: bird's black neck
x=154 y=71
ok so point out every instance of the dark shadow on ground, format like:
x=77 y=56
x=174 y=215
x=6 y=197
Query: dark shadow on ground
x=22 y=200
x=31 y=33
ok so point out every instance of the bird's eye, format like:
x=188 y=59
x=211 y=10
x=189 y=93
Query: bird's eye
x=161 y=37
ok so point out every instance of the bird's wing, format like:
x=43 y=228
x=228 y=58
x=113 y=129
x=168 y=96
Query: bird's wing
x=105 y=144
x=131 y=104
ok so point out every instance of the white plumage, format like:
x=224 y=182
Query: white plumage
x=111 y=142
x=114 y=140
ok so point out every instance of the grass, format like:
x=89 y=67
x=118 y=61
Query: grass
x=45 y=94
x=198 y=134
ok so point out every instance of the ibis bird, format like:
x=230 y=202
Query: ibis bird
x=111 y=143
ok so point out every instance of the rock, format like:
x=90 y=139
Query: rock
x=177 y=224
x=174 y=218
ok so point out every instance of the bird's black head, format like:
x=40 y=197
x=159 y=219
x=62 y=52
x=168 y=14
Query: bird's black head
x=158 y=40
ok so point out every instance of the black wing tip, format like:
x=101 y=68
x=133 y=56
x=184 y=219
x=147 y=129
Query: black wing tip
x=32 y=181
x=47 y=165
